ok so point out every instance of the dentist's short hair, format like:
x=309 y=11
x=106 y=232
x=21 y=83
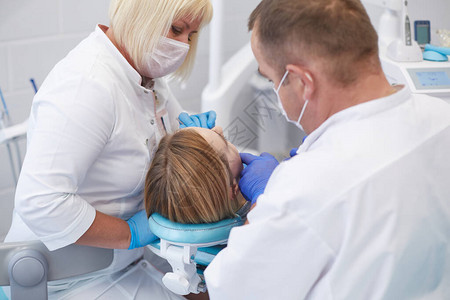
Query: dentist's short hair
x=336 y=32
x=138 y=25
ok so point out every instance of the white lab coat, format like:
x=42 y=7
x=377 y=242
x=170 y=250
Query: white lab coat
x=362 y=212
x=93 y=130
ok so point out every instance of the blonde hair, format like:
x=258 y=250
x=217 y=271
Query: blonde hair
x=188 y=181
x=139 y=24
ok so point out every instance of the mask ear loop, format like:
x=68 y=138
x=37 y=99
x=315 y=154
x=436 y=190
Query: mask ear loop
x=306 y=101
x=309 y=76
x=281 y=82
x=303 y=111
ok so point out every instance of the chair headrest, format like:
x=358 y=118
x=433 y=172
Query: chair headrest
x=192 y=233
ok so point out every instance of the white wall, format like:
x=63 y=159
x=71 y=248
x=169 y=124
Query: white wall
x=36 y=34
x=235 y=36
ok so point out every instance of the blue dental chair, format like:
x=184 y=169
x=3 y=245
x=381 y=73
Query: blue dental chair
x=189 y=248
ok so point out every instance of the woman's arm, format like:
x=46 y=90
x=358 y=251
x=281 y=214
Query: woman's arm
x=70 y=124
x=106 y=232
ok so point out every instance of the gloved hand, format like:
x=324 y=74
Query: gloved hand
x=256 y=174
x=204 y=120
x=140 y=230
x=292 y=153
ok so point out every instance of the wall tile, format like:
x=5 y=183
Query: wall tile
x=6 y=178
x=4 y=69
x=235 y=37
x=36 y=59
x=236 y=34
x=189 y=93
x=28 y=18
x=203 y=42
x=19 y=104
x=240 y=8
x=83 y=15
x=6 y=174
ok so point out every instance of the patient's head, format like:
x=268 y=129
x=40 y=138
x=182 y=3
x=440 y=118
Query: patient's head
x=194 y=177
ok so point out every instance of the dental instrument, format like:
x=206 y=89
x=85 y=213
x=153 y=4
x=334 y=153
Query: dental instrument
x=5 y=107
x=33 y=83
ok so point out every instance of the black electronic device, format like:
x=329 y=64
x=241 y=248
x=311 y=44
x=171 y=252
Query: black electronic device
x=422 y=32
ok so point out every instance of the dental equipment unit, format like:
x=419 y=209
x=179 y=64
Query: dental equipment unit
x=402 y=59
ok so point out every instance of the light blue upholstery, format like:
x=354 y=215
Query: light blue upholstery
x=192 y=233
x=2 y=294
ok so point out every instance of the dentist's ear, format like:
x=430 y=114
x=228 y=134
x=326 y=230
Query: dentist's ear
x=306 y=79
x=309 y=85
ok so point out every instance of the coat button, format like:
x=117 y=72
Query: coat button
x=152 y=121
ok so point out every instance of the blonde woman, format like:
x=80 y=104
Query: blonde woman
x=94 y=126
x=194 y=178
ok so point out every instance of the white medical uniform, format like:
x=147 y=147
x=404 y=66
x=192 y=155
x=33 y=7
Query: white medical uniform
x=93 y=130
x=362 y=212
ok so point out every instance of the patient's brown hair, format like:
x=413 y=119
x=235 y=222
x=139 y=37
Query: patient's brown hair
x=189 y=181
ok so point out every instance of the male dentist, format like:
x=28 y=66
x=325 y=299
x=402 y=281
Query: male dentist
x=363 y=210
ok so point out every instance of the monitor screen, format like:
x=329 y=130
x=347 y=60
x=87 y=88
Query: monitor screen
x=422 y=35
x=433 y=78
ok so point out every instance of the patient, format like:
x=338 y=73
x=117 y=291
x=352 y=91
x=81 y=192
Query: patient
x=194 y=177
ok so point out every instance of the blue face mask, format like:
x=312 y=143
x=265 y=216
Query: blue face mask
x=280 y=105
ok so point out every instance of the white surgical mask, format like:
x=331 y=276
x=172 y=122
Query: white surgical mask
x=168 y=56
x=280 y=105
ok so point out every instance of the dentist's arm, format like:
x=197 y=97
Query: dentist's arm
x=256 y=174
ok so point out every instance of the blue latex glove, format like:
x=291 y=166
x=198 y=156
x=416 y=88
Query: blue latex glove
x=140 y=231
x=256 y=174
x=292 y=153
x=204 y=120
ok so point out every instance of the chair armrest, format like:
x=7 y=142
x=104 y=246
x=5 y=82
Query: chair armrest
x=69 y=261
